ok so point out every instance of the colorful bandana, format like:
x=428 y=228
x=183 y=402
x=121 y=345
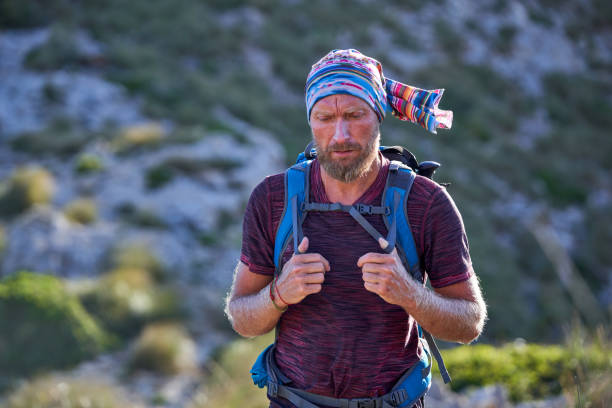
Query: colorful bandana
x=350 y=72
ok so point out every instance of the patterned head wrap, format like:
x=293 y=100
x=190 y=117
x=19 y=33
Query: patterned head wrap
x=350 y=72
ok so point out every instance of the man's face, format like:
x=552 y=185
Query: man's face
x=346 y=134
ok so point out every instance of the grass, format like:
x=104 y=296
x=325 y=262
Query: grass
x=54 y=391
x=528 y=371
x=228 y=382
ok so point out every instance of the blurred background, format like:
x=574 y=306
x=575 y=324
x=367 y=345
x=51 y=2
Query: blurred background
x=132 y=133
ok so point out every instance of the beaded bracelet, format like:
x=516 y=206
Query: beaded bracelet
x=280 y=297
x=280 y=309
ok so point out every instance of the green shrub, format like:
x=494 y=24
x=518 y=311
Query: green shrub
x=88 y=163
x=138 y=256
x=158 y=176
x=81 y=211
x=528 y=371
x=137 y=137
x=59 y=51
x=43 y=326
x=165 y=348
x=65 y=392
x=26 y=187
x=61 y=138
x=140 y=217
x=126 y=299
x=2 y=239
x=229 y=383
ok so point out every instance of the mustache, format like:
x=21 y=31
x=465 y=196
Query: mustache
x=342 y=147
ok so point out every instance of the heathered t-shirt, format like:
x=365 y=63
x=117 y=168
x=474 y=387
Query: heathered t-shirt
x=347 y=342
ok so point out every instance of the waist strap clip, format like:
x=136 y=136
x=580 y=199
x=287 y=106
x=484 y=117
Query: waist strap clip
x=362 y=403
x=365 y=209
x=272 y=389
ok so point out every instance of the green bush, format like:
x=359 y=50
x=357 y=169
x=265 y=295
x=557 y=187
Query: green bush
x=139 y=256
x=88 y=163
x=2 y=239
x=138 y=137
x=528 y=371
x=60 y=51
x=165 y=348
x=140 y=217
x=43 y=326
x=61 y=138
x=125 y=299
x=65 y=392
x=26 y=187
x=81 y=211
x=158 y=176
x=229 y=383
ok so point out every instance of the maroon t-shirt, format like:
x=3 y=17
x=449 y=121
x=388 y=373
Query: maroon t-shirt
x=344 y=341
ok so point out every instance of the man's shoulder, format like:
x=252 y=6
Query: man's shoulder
x=270 y=188
x=425 y=188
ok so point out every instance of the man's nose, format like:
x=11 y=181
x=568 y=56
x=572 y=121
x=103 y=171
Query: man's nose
x=341 y=133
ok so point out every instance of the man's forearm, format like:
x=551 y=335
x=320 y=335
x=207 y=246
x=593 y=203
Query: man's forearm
x=447 y=318
x=253 y=315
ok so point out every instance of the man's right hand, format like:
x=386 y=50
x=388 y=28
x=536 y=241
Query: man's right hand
x=302 y=275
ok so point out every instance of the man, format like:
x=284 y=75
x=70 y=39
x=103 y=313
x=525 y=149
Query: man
x=346 y=312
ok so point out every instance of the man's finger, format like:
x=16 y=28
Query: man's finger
x=383 y=243
x=374 y=268
x=312 y=258
x=311 y=267
x=303 y=247
x=371 y=287
x=314 y=278
x=371 y=277
x=373 y=257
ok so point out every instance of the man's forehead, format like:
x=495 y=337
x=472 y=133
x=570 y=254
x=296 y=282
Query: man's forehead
x=340 y=101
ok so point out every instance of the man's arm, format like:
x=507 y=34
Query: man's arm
x=455 y=313
x=249 y=305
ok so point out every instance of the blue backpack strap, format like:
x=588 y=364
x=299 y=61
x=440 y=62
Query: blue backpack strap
x=297 y=180
x=399 y=184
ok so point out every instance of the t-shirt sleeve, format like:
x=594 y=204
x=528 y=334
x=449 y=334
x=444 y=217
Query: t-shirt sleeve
x=257 y=241
x=446 y=250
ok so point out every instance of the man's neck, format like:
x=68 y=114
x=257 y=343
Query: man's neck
x=348 y=193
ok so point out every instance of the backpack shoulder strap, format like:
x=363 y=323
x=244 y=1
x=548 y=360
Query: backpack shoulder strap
x=399 y=184
x=297 y=180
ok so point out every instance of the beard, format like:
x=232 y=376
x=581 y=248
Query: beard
x=355 y=168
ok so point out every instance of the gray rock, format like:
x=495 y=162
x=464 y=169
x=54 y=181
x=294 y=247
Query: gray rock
x=43 y=240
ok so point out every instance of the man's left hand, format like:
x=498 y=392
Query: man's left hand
x=385 y=275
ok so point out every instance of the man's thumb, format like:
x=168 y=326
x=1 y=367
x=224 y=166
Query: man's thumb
x=383 y=243
x=303 y=247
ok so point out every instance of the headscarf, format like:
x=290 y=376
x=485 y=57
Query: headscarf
x=350 y=72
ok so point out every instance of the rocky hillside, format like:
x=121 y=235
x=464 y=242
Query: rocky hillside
x=145 y=125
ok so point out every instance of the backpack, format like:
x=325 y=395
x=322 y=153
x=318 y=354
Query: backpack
x=402 y=171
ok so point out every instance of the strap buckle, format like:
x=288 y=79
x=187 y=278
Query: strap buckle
x=398 y=396
x=362 y=403
x=272 y=389
x=364 y=209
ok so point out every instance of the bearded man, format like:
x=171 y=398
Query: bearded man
x=347 y=313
